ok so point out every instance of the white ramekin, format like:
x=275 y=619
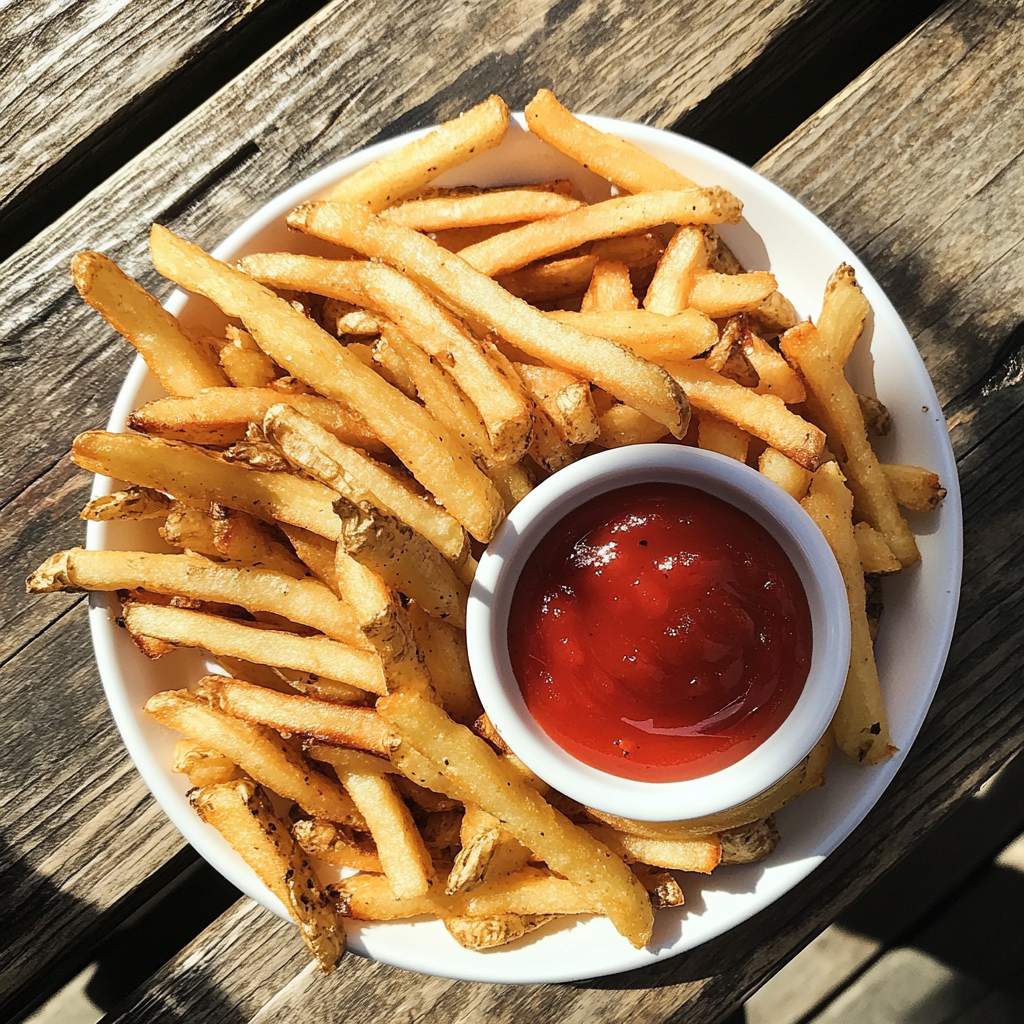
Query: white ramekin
x=491 y=597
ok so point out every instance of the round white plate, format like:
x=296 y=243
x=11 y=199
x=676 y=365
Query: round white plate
x=779 y=235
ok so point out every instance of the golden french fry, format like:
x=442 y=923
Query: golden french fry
x=724 y=295
x=550 y=280
x=610 y=289
x=749 y=844
x=701 y=854
x=650 y=335
x=182 y=365
x=565 y=399
x=621 y=425
x=514 y=482
x=260 y=752
x=322 y=720
x=914 y=488
x=444 y=650
x=190 y=529
x=317 y=654
x=834 y=404
x=479 y=933
x=241 y=538
x=775 y=375
x=625 y=215
x=495 y=393
x=860 y=725
x=620 y=162
x=419 y=162
x=243 y=814
x=438 y=460
x=476 y=296
x=685 y=256
x=500 y=207
x=404 y=559
x=464 y=767
x=244 y=362
x=843 y=313
x=403 y=856
x=357 y=477
x=793 y=479
x=336 y=844
x=764 y=416
x=131 y=503
x=488 y=852
x=257 y=590
x=715 y=435
x=203 y=766
x=201 y=479
x=220 y=416
x=875 y=555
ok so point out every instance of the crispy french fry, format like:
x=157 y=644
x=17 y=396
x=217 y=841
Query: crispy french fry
x=400 y=848
x=565 y=399
x=835 y=406
x=751 y=843
x=550 y=280
x=318 y=654
x=843 y=313
x=321 y=720
x=444 y=650
x=484 y=842
x=860 y=724
x=877 y=419
x=243 y=814
x=724 y=295
x=419 y=162
x=764 y=416
x=716 y=435
x=476 y=296
x=495 y=393
x=336 y=844
x=875 y=556
x=241 y=538
x=701 y=854
x=775 y=375
x=131 y=503
x=514 y=482
x=649 y=335
x=621 y=425
x=625 y=215
x=793 y=479
x=358 y=478
x=479 y=933
x=618 y=161
x=258 y=751
x=464 y=767
x=404 y=559
x=220 y=416
x=436 y=459
x=182 y=365
x=257 y=590
x=201 y=479
x=610 y=289
x=500 y=207
x=685 y=256
x=244 y=362
x=914 y=488
x=203 y=766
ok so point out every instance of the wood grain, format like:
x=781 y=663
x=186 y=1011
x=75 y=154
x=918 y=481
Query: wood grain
x=317 y=96
x=886 y=164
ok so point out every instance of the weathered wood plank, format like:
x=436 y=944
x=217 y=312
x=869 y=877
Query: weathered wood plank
x=92 y=82
x=315 y=97
x=939 y=85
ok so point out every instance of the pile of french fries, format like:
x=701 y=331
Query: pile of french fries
x=332 y=464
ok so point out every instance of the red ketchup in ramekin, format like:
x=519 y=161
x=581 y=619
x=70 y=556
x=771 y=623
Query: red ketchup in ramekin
x=658 y=633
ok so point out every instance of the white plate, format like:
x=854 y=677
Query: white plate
x=777 y=234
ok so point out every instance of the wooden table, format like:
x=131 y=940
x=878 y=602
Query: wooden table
x=917 y=163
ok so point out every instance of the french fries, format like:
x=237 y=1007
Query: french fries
x=325 y=468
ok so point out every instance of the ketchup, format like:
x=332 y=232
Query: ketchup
x=659 y=633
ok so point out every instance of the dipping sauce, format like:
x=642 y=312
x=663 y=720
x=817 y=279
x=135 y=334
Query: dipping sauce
x=659 y=633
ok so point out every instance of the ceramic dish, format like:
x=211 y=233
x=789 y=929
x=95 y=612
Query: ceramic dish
x=776 y=234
